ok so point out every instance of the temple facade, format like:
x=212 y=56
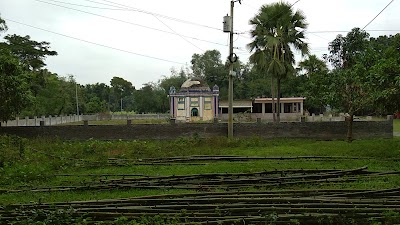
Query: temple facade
x=195 y=101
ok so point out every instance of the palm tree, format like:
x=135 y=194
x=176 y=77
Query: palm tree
x=276 y=30
x=312 y=65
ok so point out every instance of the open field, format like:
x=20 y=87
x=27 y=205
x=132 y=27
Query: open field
x=396 y=125
x=189 y=180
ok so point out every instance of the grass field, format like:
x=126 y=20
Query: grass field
x=396 y=125
x=56 y=171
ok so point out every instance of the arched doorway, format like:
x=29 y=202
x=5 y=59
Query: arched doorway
x=195 y=112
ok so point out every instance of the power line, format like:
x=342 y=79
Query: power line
x=161 y=15
x=378 y=14
x=162 y=23
x=179 y=34
x=130 y=23
x=94 y=43
x=137 y=10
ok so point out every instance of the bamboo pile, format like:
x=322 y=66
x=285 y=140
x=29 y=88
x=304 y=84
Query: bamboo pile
x=237 y=207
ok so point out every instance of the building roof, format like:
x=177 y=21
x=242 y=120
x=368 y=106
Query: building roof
x=282 y=100
x=195 y=84
x=237 y=104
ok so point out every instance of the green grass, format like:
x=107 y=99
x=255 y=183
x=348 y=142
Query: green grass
x=32 y=163
x=396 y=125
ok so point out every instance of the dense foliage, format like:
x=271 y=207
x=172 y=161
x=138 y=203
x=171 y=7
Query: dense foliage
x=363 y=77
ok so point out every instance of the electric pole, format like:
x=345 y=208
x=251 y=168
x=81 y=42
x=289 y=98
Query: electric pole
x=76 y=96
x=228 y=23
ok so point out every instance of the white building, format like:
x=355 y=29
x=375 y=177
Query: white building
x=194 y=102
x=291 y=109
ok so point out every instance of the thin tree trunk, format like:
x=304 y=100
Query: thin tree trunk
x=350 y=127
x=273 y=98
x=278 y=115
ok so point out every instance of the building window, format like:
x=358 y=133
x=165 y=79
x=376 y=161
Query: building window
x=207 y=103
x=268 y=107
x=287 y=108
x=194 y=102
x=181 y=103
x=195 y=112
x=257 y=108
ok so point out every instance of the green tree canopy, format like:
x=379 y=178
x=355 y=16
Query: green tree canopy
x=14 y=88
x=30 y=53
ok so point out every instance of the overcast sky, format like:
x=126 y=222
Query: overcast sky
x=142 y=47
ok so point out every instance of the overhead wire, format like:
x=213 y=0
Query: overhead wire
x=378 y=14
x=94 y=43
x=162 y=23
x=156 y=14
x=130 y=23
x=119 y=8
x=346 y=31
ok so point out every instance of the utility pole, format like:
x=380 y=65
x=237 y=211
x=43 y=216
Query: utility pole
x=232 y=59
x=76 y=96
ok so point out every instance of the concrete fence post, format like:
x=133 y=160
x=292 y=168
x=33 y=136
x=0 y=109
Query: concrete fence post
x=215 y=120
x=49 y=120
x=26 y=121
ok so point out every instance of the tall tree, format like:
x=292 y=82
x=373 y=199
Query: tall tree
x=312 y=65
x=209 y=67
x=277 y=29
x=121 y=88
x=316 y=81
x=350 y=89
x=14 y=88
x=149 y=99
x=30 y=53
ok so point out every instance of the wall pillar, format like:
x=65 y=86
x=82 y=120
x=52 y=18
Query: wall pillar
x=263 y=108
x=301 y=108
x=187 y=107
x=201 y=106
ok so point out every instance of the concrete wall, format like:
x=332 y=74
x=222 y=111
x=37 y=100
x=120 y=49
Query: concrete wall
x=317 y=130
x=48 y=121
x=57 y=120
